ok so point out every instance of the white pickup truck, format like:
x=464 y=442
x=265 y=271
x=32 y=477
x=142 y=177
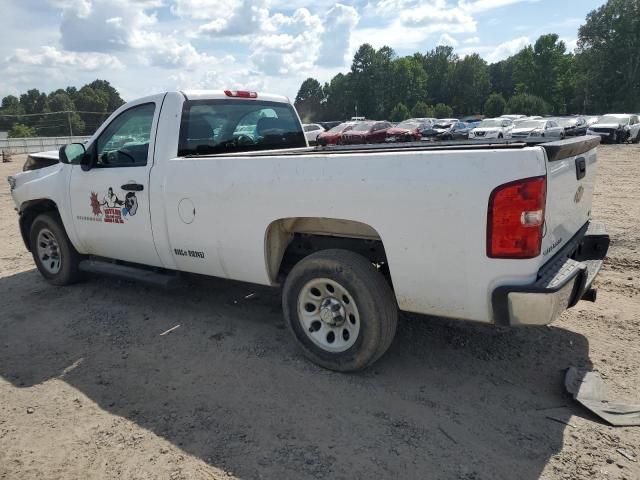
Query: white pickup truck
x=224 y=184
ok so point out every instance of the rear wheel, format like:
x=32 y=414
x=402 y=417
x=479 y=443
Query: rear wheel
x=340 y=309
x=54 y=255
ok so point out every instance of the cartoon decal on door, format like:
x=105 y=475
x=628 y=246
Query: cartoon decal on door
x=111 y=209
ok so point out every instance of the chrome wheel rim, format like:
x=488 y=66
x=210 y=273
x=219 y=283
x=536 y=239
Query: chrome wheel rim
x=328 y=315
x=48 y=251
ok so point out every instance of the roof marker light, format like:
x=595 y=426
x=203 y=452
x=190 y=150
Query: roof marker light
x=241 y=94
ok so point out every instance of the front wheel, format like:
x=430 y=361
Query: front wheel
x=54 y=255
x=340 y=309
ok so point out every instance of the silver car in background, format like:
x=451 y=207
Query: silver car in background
x=538 y=128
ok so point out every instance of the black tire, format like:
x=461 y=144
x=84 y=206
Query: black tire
x=637 y=139
x=375 y=301
x=500 y=136
x=68 y=272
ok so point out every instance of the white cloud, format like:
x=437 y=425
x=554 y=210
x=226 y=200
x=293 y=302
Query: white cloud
x=244 y=18
x=293 y=50
x=430 y=19
x=446 y=39
x=339 y=22
x=202 y=9
x=51 y=57
x=107 y=27
x=506 y=49
x=471 y=41
x=484 y=5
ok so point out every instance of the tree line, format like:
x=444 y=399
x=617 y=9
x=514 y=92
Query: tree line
x=61 y=112
x=602 y=75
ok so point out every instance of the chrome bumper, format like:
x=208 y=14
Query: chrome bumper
x=561 y=283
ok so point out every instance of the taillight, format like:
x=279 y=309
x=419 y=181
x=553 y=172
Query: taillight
x=240 y=94
x=515 y=220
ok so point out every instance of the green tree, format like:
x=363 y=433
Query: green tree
x=436 y=63
x=469 y=84
x=65 y=123
x=33 y=101
x=363 y=81
x=526 y=104
x=422 y=110
x=495 y=105
x=609 y=44
x=399 y=113
x=340 y=102
x=310 y=101
x=442 y=111
x=114 y=101
x=409 y=81
x=501 y=77
x=19 y=130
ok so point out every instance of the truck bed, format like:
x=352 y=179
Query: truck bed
x=555 y=150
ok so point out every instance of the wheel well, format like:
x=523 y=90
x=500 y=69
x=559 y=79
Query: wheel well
x=29 y=211
x=289 y=240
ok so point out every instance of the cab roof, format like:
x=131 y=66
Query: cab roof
x=221 y=95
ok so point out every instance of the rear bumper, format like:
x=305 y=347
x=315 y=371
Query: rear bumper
x=561 y=283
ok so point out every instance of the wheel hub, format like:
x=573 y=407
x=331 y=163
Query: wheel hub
x=48 y=251
x=332 y=312
x=328 y=314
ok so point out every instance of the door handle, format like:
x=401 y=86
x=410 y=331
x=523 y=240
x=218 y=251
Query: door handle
x=132 y=187
x=581 y=168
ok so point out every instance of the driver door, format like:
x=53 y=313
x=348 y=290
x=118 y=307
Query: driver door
x=110 y=202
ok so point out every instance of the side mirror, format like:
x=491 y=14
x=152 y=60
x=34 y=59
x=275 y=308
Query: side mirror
x=71 y=153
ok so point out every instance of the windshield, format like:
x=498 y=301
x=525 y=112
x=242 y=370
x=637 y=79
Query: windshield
x=614 y=119
x=407 y=125
x=339 y=128
x=233 y=125
x=362 y=127
x=442 y=125
x=490 y=123
x=531 y=124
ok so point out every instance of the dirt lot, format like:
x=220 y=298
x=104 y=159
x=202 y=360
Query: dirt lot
x=89 y=388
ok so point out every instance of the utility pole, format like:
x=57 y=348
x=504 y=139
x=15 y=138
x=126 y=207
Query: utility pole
x=70 y=129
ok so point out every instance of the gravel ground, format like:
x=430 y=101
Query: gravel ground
x=89 y=389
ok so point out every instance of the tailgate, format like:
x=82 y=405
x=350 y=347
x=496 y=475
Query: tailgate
x=571 y=171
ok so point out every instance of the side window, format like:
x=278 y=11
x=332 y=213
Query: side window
x=125 y=141
x=309 y=128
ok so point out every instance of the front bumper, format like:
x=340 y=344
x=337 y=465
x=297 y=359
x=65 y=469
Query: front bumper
x=561 y=283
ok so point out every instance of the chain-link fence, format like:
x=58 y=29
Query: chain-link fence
x=52 y=124
x=36 y=144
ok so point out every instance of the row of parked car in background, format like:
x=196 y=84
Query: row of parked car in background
x=613 y=128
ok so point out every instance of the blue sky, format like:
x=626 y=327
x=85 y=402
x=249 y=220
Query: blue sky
x=146 y=46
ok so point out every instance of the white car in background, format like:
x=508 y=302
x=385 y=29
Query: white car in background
x=617 y=128
x=513 y=117
x=492 y=128
x=311 y=132
x=538 y=128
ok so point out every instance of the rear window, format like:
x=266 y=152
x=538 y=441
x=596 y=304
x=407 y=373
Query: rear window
x=232 y=125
